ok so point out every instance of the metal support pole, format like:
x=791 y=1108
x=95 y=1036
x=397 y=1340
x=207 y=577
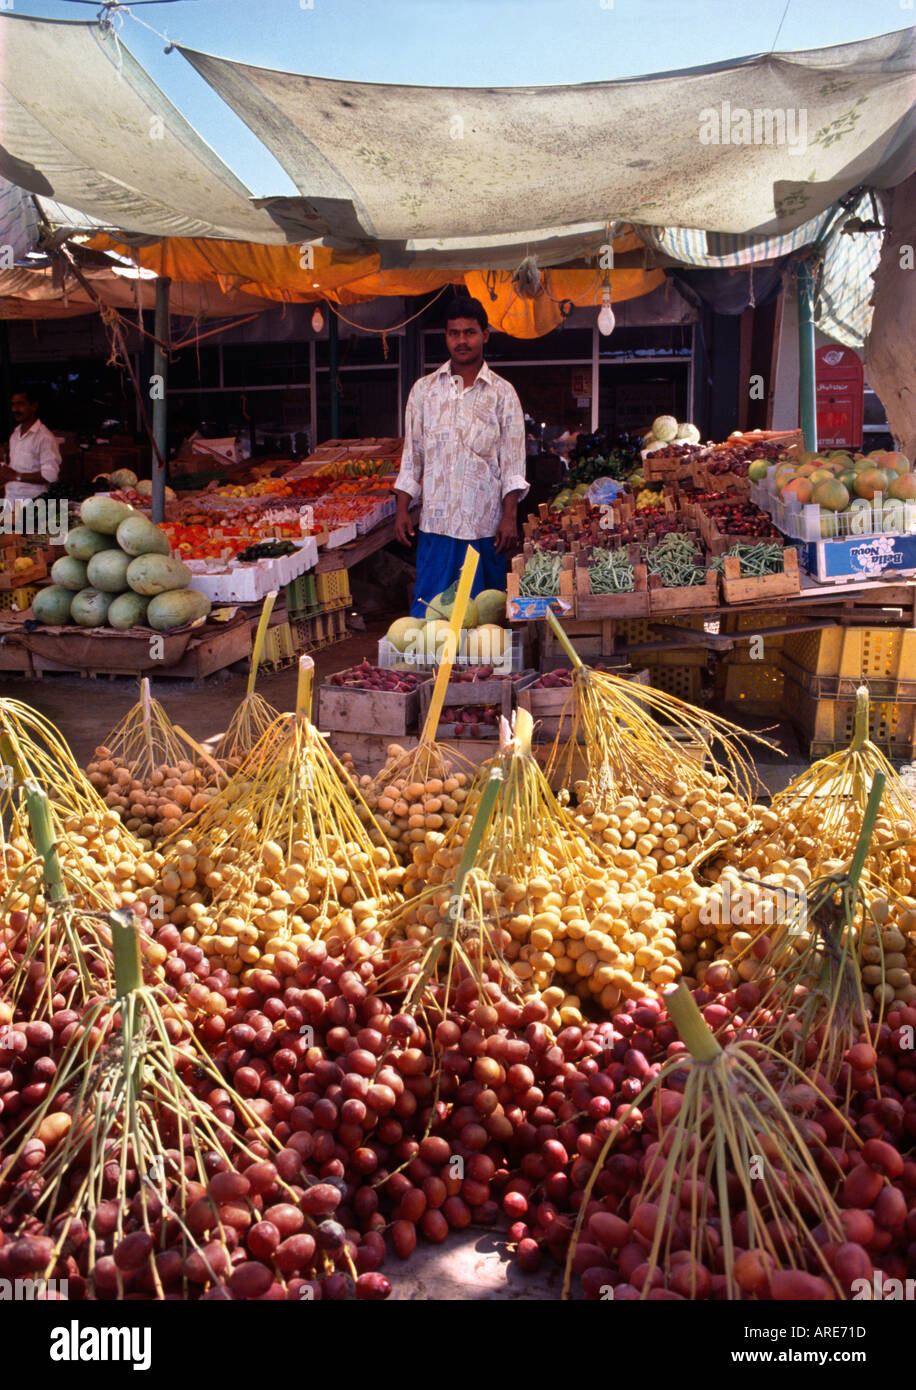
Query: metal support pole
x=6 y=378
x=313 y=397
x=334 y=398
x=596 y=380
x=160 y=404
x=807 y=387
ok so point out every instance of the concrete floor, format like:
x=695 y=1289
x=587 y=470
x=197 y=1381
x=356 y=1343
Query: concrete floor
x=470 y=1265
x=86 y=711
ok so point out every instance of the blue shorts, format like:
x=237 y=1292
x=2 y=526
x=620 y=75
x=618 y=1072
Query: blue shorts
x=439 y=561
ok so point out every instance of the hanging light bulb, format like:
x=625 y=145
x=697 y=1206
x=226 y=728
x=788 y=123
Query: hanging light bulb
x=317 y=320
x=606 y=320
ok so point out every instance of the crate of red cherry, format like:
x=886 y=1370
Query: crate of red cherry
x=725 y=518
x=367 y=699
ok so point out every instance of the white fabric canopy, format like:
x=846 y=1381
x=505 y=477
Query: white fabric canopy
x=428 y=170
x=82 y=123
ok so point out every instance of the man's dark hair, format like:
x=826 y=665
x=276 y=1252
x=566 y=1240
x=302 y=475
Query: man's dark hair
x=464 y=307
x=29 y=392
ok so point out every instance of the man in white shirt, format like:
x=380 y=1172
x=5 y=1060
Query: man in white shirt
x=34 y=453
x=464 y=455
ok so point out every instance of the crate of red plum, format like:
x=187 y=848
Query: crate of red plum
x=366 y=699
x=475 y=699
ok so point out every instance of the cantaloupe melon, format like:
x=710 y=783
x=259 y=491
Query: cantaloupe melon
x=108 y=571
x=138 y=536
x=70 y=573
x=52 y=605
x=104 y=514
x=155 y=574
x=175 y=608
x=90 y=608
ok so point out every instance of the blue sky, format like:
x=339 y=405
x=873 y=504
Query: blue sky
x=462 y=43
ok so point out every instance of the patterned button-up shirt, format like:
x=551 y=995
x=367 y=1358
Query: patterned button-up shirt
x=464 y=451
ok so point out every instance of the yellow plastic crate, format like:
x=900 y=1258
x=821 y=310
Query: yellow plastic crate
x=18 y=599
x=678 y=656
x=754 y=686
x=335 y=627
x=278 y=647
x=678 y=679
x=833 y=661
x=826 y=725
x=639 y=630
x=764 y=621
x=333 y=587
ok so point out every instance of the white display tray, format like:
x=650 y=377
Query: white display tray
x=805 y=521
x=390 y=659
x=341 y=535
x=247 y=583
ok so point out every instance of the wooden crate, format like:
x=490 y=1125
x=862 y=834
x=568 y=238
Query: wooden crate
x=624 y=605
x=369 y=711
x=14 y=658
x=217 y=646
x=552 y=709
x=657 y=469
x=592 y=638
x=768 y=586
x=21 y=579
x=720 y=482
x=566 y=597
x=472 y=693
x=703 y=597
x=716 y=541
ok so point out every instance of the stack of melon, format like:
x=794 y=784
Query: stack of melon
x=423 y=640
x=118 y=571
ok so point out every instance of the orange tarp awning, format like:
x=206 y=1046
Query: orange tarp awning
x=294 y=274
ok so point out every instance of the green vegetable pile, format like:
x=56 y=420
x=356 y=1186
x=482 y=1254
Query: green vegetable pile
x=616 y=465
x=756 y=560
x=610 y=572
x=266 y=550
x=541 y=577
x=675 y=559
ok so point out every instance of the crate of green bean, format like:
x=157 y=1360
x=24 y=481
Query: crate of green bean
x=612 y=586
x=704 y=596
x=752 y=573
x=678 y=576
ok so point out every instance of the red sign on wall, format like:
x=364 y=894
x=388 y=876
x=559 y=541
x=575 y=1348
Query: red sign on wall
x=840 y=398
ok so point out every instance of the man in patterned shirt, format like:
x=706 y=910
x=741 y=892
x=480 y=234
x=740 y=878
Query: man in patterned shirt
x=464 y=455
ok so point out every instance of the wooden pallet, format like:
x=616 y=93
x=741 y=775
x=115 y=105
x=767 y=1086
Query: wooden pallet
x=15 y=659
x=768 y=586
x=189 y=657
